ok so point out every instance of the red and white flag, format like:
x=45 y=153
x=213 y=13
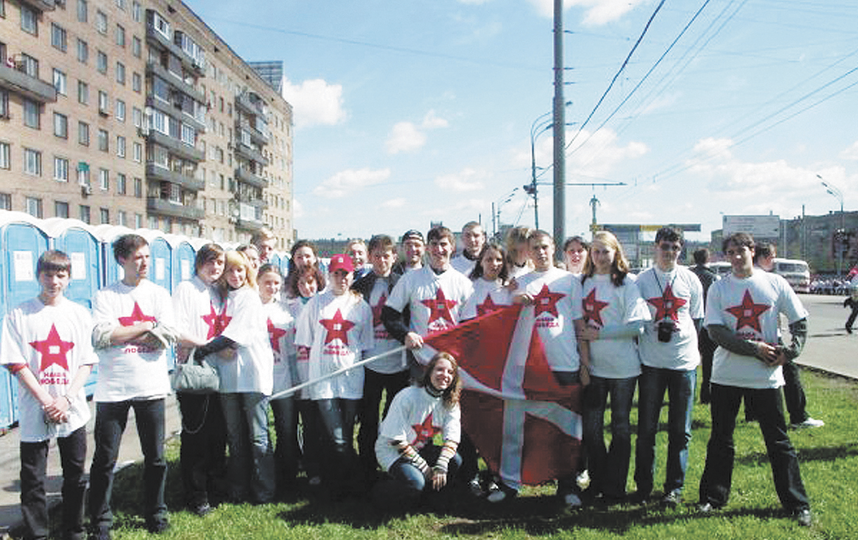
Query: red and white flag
x=525 y=425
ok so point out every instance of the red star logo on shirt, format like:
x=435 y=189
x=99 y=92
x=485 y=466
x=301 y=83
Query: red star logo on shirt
x=487 y=306
x=136 y=316
x=222 y=320
x=424 y=432
x=376 y=310
x=211 y=321
x=667 y=305
x=439 y=307
x=748 y=313
x=274 y=335
x=53 y=350
x=546 y=301
x=593 y=309
x=337 y=328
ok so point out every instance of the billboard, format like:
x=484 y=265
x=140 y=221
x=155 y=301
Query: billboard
x=757 y=226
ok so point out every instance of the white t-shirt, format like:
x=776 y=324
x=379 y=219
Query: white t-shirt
x=606 y=305
x=415 y=416
x=750 y=307
x=302 y=355
x=54 y=342
x=463 y=264
x=435 y=301
x=129 y=371
x=281 y=336
x=252 y=368
x=676 y=295
x=557 y=304
x=198 y=309
x=487 y=297
x=337 y=329
x=392 y=363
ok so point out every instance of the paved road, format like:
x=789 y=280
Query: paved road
x=829 y=348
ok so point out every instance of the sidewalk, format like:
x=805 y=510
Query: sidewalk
x=10 y=465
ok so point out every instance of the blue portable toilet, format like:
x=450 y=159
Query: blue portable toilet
x=161 y=271
x=274 y=258
x=22 y=241
x=184 y=256
x=111 y=272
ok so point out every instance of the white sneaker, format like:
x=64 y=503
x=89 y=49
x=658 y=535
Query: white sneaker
x=572 y=500
x=315 y=481
x=583 y=479
x=496 y=496
x=809 y=423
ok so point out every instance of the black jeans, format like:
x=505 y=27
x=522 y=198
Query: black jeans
x=110 y=420
x=718 y=471
x=373 y=385
x=796 y=401
x=34 y=504
x=203 y=453
x=338 y=418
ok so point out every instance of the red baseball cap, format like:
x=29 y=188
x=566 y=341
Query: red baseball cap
x=341 y=262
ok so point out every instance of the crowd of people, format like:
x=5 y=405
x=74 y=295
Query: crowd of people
x=296 y=345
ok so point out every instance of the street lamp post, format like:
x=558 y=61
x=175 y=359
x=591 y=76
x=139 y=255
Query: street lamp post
x=536 y=129
x=837 y=194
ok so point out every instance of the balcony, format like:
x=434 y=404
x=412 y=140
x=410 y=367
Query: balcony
x=175 y=146
x=164 y=207
x=154 y=172
x=41 y=5
x=256 y=136
x=158 y=40
x=153 y=68
x=250 y=105
x=250 y=153
x=28 y=86
x=250 y=225
x=176 y=112
x=249 y=178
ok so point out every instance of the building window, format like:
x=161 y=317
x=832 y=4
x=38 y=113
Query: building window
x=120 y=110
x=60 y=81
x=30 y=65
x=137 y=117
x=82 y=93
x=4 y=104
x=103 y=102
x=32 y=114
x=161 y=25
x=61 y=125
x=58 y=37
x=32 y=162
x=138 y=152
x=136 y=11
x=121 y=218
x=136 y=46
x=83 y=133
x=120 y=146
x=82 y=11
x=34 y=207
x=101 y=22
x=61 y=169
x=5 y=201
x=29 y=20
x=85 y=214
x=61 y=209
x=119 y=35
x=121 y=187
x=82 y=51
x=104 y=215
x=83 y=174
x=101 y=63
x=138 y=188
x=103 y=140
x=5 y=156
x=120 y=72
x=136 y=82
x=104 y=179
x=189 y=135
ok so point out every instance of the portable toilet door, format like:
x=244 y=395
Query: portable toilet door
x=111 y=272
x=184 y=256
x=76 y=240
x=22 y=241
x=161 y=269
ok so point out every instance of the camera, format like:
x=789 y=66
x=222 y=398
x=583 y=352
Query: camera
x=666 y=328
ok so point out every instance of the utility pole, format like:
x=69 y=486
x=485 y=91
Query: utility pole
x=559 y=131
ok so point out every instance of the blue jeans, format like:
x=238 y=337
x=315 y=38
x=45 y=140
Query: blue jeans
x=409 y=476
x=680 y=390
x=286 y=451
x=609 y=468
x=720 y=453
x=34 y=503
x=110 y=420
x=338 y=418
x=251 y=462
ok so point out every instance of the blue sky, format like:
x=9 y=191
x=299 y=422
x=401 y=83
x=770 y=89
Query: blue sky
x=408 y=112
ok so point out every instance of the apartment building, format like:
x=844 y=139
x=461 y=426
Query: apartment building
x=136 y=113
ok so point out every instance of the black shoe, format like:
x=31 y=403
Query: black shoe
x=640 y=496
x=848 y=330
x=804 y=517
x=157 y=527
x=100 y=533
x=707 y=508
x=202 y=510
x=672 y=499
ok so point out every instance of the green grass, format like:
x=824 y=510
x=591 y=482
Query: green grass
x=829 y=466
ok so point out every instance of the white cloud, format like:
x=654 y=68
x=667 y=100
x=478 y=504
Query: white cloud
x=315 y=102
x=297 y=209
x=466 y=180
x=408 y=137
x=597 y=12
x=850 y=153
x=345 y=182
x=390 y=204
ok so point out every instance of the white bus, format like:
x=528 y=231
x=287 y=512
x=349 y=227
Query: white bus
x=796 y=273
